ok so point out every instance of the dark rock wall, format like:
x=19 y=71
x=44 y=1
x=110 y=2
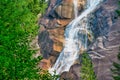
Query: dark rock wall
x=105 y=20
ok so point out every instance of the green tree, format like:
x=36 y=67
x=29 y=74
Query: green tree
x=18 y=26
x=116 y=69
x=118 y=11
x=87 y=72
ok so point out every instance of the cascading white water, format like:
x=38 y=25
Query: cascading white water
x=76 y=37
x=75 y=2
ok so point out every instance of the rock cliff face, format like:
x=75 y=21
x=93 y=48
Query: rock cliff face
x=106 y=17
x=103 y=51
x=51 y=36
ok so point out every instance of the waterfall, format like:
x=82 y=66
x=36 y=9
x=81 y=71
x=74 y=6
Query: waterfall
x=76 y=37
x=75 y=2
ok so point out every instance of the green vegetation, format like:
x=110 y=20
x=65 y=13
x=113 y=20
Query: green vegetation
x=47 y=76
x=118 y=11
x=87 y=72
x=18 y=26
x=116 y=69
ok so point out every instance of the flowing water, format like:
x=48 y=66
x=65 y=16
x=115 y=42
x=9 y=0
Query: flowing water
x=76 y=37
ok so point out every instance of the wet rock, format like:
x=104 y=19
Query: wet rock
x=52 y=59
x=51 y=41
x=45 y=64
x=57 y=35
x=56 y=14
x=63 y=22
x=65 y=9
x=53 y=23
x=45 y=43
x=73 y=74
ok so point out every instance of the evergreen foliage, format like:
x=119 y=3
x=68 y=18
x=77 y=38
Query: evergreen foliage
x=116 y=69
x=18 y=25
x=118 y=11
x=47 y=76
x=87 y=72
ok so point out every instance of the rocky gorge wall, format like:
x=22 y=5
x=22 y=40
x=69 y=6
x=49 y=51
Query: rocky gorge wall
x=51 y=36
x=109 y=22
